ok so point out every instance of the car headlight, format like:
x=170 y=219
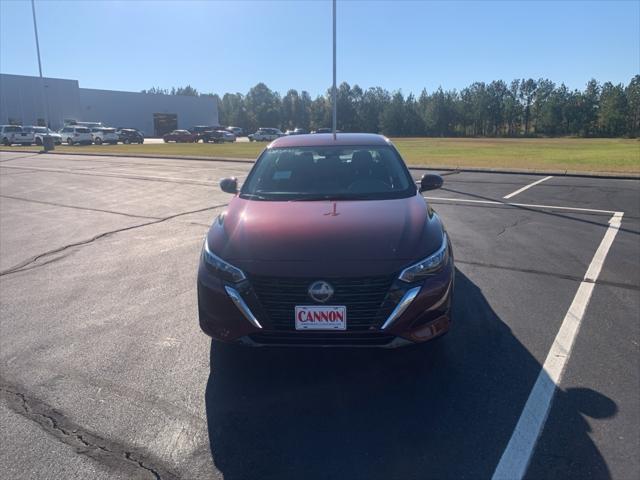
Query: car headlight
x=429 y=265
x=224 y=269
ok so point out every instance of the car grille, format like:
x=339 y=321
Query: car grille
x=321 y=338
x=363 y=297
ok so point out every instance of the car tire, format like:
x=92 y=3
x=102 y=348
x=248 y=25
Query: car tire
x=141 y=141
x=5 y=142
x=69 y=141
x=126 y=141
x=165 y=140
x=98 y=141
x=38 y=141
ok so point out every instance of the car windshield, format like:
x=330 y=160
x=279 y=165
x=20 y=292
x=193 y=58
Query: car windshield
x=329 y=173
x=82 y=130
x=13 y=129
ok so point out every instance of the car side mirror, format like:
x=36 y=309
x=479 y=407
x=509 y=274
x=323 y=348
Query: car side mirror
x=430 y=181
x=229 y=185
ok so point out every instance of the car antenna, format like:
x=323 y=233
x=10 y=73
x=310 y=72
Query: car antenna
x=334 y=93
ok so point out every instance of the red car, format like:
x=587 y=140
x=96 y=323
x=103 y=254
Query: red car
x=328 y=242
x=180 y=136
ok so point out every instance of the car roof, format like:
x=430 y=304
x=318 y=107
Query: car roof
x=326 y=139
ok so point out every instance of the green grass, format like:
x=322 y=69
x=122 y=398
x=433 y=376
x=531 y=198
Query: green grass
x=572 y=154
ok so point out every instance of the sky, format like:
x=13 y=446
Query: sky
x=219 y=46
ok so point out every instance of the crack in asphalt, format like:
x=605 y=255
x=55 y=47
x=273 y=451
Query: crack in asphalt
x=181 y=181
x=25 y=263
x=75 y=207
x=13 y=174
x=116 y=161
x=563 y=276
x=517 y=223
x=19 y=157
x=87 y=443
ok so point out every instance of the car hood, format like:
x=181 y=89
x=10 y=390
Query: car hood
x=325 y=232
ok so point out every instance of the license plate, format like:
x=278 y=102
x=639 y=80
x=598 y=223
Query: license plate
x=322 y=317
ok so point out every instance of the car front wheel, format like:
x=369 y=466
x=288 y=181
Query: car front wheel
x=38 y=141
x=98 y=141
x=69 y=141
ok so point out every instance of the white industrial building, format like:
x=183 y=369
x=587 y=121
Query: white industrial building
x=22 y=103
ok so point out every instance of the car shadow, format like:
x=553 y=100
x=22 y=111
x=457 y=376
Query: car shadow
x=440 y=410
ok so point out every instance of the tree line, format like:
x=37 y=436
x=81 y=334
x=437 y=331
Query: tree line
x=524 y=107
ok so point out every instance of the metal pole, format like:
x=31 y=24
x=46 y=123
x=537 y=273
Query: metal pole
x=334 y=92
x=44 y=95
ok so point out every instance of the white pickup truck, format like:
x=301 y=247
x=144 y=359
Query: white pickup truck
x=12 y=134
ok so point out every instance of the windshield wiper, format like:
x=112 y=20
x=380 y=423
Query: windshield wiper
x=330 y=197
x=253 y=195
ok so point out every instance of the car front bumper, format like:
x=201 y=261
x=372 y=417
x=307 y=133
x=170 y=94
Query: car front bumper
x=426 y=317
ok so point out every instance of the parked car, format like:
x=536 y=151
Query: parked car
x=237 y=131
x=11 y=134
x=39 y=132
x=180 y=136
x=102 y=135
x=265 y=135
x=296 y=131
x=88 y=124
x=207 y=134
x=325 y=130
x=227 y=136
x=130 y=135
x=328 y=242
x=74 y=134
x=215 y=134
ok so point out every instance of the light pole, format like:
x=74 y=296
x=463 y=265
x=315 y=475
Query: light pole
x=334 y=91
x=44 y=95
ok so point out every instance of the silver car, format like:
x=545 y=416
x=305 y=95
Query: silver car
x=10 y=134
x=265 y=135
x=39 y=132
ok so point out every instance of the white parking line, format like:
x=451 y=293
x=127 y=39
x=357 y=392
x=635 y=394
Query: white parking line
x=525 y=205
x=515 y=459
x=526 y=187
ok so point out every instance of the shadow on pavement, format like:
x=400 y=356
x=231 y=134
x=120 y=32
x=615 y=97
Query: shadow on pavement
x=440 y=410
x=565 y=449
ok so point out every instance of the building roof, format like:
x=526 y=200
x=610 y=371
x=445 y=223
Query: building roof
x=326 y=139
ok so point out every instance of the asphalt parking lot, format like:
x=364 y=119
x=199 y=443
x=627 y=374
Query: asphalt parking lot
x=104 y=372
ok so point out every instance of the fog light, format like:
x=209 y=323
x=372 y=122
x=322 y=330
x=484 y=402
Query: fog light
x=433 y=329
